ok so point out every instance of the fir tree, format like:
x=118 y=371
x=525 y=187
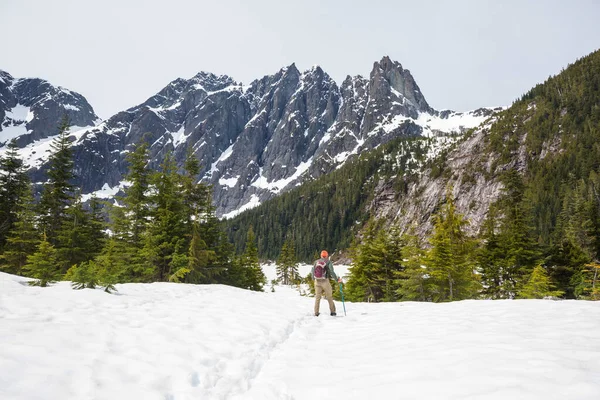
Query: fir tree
x=166 y=233
x=287 y=265
x=136 y=201
x=376 y=263
x=80 y=236
x=14 y=185
x=254 y=277
x=23 y=239
x=516 y=238
x=449 y=261
x=43 y=265
x=491 y=259
x=538 y=286
x=84 y=275
x=57 y=194
x=415 y=284
x=200 y=259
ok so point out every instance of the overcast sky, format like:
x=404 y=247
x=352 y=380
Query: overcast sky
x=463 y=54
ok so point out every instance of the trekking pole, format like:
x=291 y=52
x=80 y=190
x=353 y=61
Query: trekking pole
x=342 y=293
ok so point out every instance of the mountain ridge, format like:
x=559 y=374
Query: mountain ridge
x=255 y=141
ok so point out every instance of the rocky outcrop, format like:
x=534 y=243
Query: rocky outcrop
x=255 y=141
x=32 y=109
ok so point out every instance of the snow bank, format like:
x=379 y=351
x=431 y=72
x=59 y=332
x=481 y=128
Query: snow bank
x=173 y=341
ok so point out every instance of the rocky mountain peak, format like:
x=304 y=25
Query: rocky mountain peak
x=211 y=82
x=32 y=109
x=255 y=141
x=388 y=77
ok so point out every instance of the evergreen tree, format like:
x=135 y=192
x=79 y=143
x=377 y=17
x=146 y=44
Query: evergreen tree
x=14 y=185
x=287 y=265
x=254 y=277
x=200 y=259
x=136 y=200
x=166 y=234
x=376 y=263
x=450 y=259
x=57 y=194
x=538 y=286
x=80 y=236
x=491 y=258
x=415 y=283
x=517 y=249
x=43 y=265
x=83 y=275
x=23 y=239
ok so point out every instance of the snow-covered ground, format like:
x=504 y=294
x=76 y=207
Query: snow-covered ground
x=173 y=341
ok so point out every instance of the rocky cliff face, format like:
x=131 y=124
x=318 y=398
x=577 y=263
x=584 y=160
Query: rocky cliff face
x=470 y=170
x=255 y=141
x=32 y=109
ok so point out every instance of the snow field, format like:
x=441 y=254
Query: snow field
x=176 y=342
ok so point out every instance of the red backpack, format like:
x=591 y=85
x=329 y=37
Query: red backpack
x=321 y=269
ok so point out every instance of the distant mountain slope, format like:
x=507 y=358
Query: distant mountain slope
x=551 y=136
x=31 y=109
x=256 y=141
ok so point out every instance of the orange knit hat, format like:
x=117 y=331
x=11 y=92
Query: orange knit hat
x=324 y=254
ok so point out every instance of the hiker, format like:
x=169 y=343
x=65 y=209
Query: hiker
x=322 y=271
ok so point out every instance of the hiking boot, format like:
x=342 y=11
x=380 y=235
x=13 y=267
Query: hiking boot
x=316 y=314
x=333 y=314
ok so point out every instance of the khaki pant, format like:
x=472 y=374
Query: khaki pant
x=323 y=286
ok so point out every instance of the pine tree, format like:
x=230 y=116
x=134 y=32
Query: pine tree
x=200 y=259
x=166 y=234
x=57 y=194
x=450 y=259
x=490 y=258
x=43 y=265
x=14 y=185
x=538 y=286
x=254 y=277
x=80 y=236
x=83 y=275
x=376 y=263
x=587 y=282
x=415 y=283
x=129 y=218
x=136 y=200
x=287 y=265
x=516 y=238
x=23 y=239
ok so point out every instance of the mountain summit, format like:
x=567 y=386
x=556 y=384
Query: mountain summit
x=255 y=141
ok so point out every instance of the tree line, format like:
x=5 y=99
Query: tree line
x=162 y=228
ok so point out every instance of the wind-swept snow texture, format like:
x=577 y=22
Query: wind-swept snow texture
x=173 y=341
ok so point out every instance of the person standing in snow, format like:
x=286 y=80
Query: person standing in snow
x=321 y=272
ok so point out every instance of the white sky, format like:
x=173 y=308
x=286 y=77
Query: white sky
x=463 y=54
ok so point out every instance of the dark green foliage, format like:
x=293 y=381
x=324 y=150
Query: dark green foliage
x=136 y=199
x=57 y=194
x=23 y=239
x=287 y=265
x=14 y=185
x=84 y=275
x=376 y=264
x=538 y=286
x=326 y=212
x=42 y=265
x=509 y=251
x=166 y=234
x=449 y=262
x=81 y=235
x=415 y=284
x=254 y=277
